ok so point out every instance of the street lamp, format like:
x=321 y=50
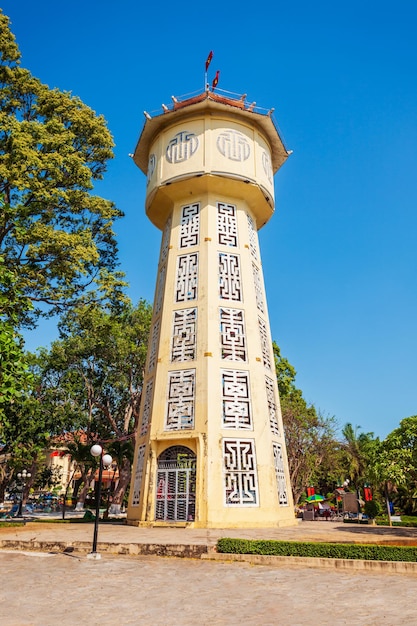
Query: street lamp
x=22 y=477
x=105 y=461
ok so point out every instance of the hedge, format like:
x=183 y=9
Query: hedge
x=365 y=552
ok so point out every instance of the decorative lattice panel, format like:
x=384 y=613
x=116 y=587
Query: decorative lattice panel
x=138 y=476
x=184 y=327
x=165 y=241
x=187 y=277
x=226 y=224
x=240 y=472
x=272 y=405
x=189 y=226
x=181 y=400
x=229 y=277
x=265 y=346
x=280 y=474
x=258 y=288
x=153 y=348
x=232 y=335
x=159 y=296
x=147 y=405
x=236 y=400
x=253 y=237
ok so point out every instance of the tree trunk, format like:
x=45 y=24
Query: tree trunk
x=387 y=502
x=125 y=472
x=88 y=479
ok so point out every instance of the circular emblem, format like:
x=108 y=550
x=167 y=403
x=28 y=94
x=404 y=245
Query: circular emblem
x=267 y=165
x=233 y=145
x=151 y=167
x=181 y=147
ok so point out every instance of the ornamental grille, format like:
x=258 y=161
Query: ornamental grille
x=159 y=296
x=180 y=407
x=226 y=224
x=272 y=405
x=138 y=476
x=232 y=335
x=280 y=474
x=266 y=353
x=147 y=404
x=184 y=335
x=240 y=472
x=229 y=277
x=153 y=349
x=187 y=275
x=165 y=241
x=190 y=225
x=258 y=288
x=176 y=485
x=236 y=400
x=253 y=238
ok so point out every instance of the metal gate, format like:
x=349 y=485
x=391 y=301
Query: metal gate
x=175 y=485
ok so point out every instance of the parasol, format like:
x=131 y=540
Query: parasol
x=315 y=499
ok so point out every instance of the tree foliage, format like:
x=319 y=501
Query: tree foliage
x=309 y=436
x=357 y=449
x=98 y=365
x=394 y=466
x=14 y=373
x=56 y=236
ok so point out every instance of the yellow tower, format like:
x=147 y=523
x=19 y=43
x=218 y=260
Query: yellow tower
x=210 y=448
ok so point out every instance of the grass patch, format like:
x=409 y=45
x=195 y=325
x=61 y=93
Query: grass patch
x=366 y=552
x=409 y=521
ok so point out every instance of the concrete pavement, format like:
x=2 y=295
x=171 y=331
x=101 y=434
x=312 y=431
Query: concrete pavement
x=60 y=585
x=64 y=589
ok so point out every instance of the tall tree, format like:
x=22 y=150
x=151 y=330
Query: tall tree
x=309 y=436
x=14 y=373
x=357 y=447
x=99 y=361
x=56 y=236
x=394 y=467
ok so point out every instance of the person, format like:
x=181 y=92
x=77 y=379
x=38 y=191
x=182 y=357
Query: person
x=326 y=514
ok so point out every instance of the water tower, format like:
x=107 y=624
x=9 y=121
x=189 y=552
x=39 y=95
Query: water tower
x=210 y=449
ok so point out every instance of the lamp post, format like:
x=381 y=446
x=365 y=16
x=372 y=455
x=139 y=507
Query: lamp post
x=22 y=477
x=105 y=461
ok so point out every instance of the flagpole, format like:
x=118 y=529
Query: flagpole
x=208 y=61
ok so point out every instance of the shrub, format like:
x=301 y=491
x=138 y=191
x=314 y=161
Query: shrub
x=372 y=509
x=365 y=552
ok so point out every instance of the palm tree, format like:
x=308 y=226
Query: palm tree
x=356 y=447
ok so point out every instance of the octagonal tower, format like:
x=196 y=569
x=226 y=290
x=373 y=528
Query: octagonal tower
x=210 y=448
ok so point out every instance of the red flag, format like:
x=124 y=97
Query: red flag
x=209 y=58
x=215 y=81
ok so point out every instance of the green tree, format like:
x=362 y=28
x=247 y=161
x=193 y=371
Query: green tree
x=309 y=436
x=56 y=236
x=394 y=466
x=285 y=372
x=14 y=372
x=98 y=365
x=357 y=448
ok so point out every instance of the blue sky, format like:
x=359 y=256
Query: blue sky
x=340 y=254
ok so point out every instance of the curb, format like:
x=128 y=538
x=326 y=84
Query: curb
x=84 y=547
x=400 y=567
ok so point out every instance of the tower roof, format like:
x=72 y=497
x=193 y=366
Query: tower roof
x=209 y=101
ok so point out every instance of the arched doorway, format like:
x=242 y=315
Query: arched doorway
x=175 y=485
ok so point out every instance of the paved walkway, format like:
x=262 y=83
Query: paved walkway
x=49 y=588
x=62 y=589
